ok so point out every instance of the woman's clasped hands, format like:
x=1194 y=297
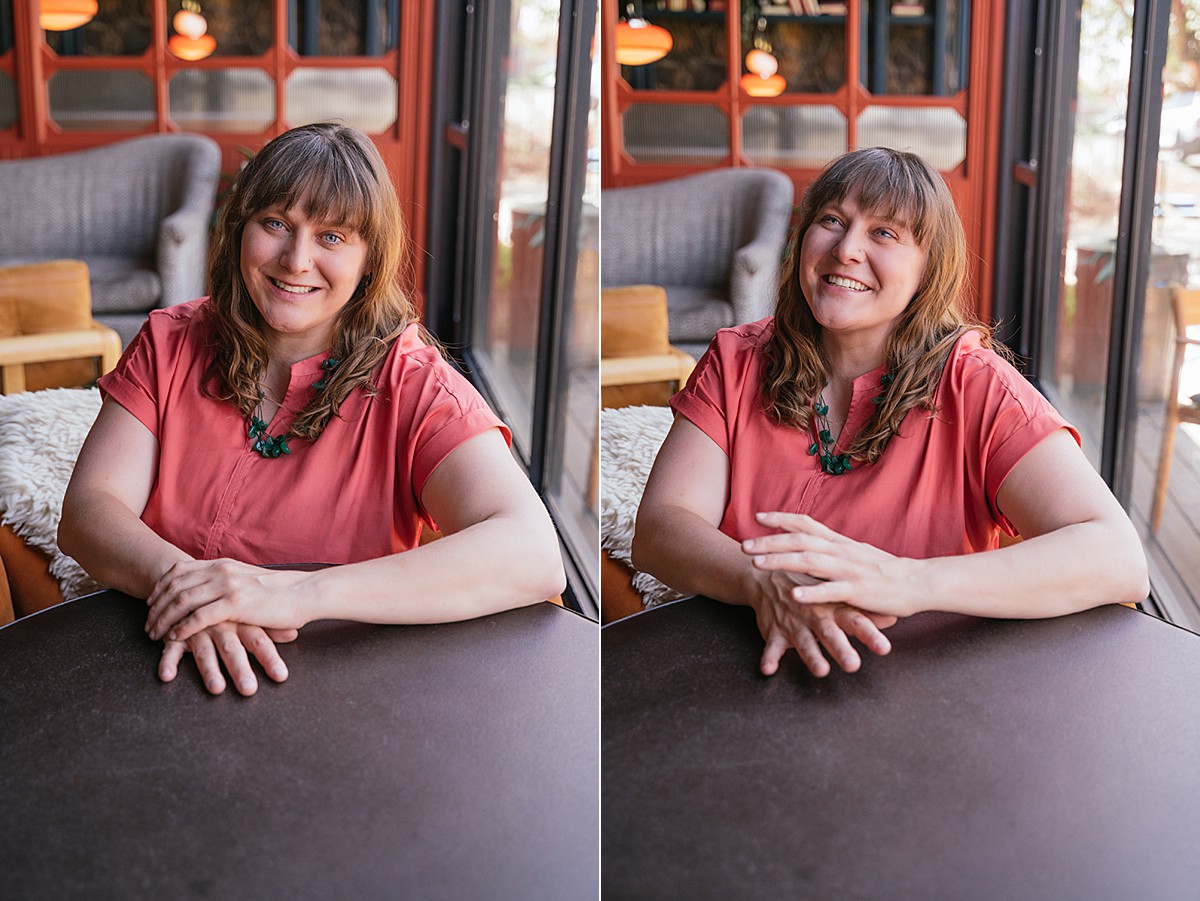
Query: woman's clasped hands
x=819 y=589
x=224 y=612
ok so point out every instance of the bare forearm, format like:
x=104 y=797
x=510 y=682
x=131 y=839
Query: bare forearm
x=692 y=556
x=491 y=566
x=1064 y=571
x=113 y=545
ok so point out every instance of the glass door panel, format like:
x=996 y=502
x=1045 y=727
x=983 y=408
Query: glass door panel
x=1078 y=330
x=505 y=325
x=1166 y=470
x=574 y=474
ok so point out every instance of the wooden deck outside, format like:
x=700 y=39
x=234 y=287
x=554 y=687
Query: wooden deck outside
x=1174 y=552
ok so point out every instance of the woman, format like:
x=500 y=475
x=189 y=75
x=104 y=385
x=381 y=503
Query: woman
x=839 y=465
x=297 y=415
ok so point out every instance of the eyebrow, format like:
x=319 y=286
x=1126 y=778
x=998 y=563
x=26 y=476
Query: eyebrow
x=894 y=219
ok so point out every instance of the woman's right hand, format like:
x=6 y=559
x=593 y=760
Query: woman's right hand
x=811 y=628
x=232 y=644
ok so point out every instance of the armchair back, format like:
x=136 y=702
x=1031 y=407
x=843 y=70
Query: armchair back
x=713 y=241
x=137 y=212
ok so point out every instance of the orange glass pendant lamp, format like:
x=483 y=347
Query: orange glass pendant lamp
x=761 y=80
x=63 y=15
x=638 y=42
x=757 y=86
x=191 y=40
x=761 y=63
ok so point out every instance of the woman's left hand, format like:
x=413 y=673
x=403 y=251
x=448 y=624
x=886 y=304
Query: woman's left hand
x=851 y=572
x=195 y=594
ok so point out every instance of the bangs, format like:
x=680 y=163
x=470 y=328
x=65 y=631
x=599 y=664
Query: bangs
x=328 y=187
x=886 y=183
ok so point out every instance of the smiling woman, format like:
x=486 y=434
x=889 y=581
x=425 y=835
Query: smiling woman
x=840 y=464
x=300 y=414
x=300 y=274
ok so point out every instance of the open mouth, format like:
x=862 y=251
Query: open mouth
x=839 y=282
x=291 y=289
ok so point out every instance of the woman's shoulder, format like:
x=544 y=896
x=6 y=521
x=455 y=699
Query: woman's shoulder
x=410 y=350
x=176 y=322
x=973 y=355
x=169 y=333
x=975 y=368
x=740 y=344
x=180 y=313
x=415 y=358
x=749 y=334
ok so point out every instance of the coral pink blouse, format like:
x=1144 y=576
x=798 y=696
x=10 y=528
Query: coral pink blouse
x=351 y=495
x=932 y=493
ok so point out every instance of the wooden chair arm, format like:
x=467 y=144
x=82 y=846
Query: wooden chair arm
x=672 y=366
x=96 y=341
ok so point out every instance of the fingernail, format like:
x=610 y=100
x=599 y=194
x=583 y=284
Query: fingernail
x=246 y=687
x=279 y=673
x=174 y=635
x=760 y=559
x=797 y=593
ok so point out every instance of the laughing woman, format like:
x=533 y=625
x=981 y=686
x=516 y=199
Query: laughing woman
x=299 y=415
x=842 y=463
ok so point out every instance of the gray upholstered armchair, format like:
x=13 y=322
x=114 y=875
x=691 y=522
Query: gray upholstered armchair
x=713 y=241
x=137 y=212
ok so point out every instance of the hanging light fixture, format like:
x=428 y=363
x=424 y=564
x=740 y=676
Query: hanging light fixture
x=761 y=80
x=191 y=40
x=63 y=15
x=762 y=63
x=638 y=42
x=757 y=86
x=760 y=60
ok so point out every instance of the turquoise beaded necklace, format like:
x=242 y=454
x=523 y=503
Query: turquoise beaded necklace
x=273 y=446
x=822 y=448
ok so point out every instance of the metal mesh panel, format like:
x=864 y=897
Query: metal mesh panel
x=793 y=137
x=676 y=133
x=937 y=134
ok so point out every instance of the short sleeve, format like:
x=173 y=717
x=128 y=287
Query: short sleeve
x=726 y=377
x=1011 y=417
x=138 y=383
x=448 y=411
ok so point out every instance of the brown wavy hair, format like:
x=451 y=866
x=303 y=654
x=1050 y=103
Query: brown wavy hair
x=338 y=175
x=903 y=187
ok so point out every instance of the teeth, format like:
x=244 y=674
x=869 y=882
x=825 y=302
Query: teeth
x=850 y=283
x=292 y=289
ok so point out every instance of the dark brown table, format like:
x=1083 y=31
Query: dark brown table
x=452 y=761
x=982 y=759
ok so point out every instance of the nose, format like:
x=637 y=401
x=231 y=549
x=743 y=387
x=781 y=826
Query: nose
x=849 y=248
x=297 y=254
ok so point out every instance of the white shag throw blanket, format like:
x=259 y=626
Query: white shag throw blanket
x=40 y=436
x=631 y=437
